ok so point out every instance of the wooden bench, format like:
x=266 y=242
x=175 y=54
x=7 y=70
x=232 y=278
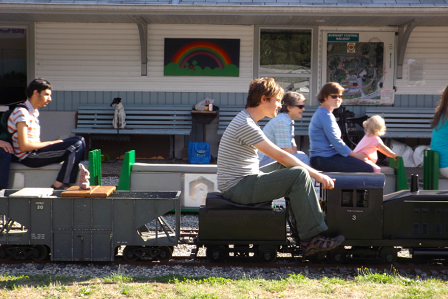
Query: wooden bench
x=227 y=113
x=405 y=122
x=140 y=119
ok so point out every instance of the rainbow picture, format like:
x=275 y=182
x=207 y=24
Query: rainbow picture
x=201 y=57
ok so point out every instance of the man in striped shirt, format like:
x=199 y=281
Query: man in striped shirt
x=242 y=181
x=23 y=123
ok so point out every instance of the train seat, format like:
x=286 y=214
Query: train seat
x=221 y=219
x=216 y=201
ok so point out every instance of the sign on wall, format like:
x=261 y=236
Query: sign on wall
x=202 y=57
x=363 y=63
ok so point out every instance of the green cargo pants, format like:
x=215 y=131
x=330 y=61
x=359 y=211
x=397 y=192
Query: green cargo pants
x=275 y=181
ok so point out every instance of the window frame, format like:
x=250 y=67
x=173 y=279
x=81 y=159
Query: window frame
x=30 y=46
x=312 y=76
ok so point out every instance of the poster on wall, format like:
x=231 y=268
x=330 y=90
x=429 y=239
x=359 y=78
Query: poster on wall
x=416 y=72
x=363 y=64
x=202 y=57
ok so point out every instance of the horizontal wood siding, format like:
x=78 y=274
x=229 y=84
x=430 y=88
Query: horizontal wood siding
x=405 y=101
x=88 y=56
x=429 y=45
x=91 y=63
x=70 y=100
x=106 y=57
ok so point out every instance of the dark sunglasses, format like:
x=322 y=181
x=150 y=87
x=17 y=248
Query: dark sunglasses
x=300 y=106
x=335 y=96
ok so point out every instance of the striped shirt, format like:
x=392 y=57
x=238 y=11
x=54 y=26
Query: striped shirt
x=237 y=155
x=31 y=119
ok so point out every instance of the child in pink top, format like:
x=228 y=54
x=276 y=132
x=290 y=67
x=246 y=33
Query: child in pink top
x=371 y=142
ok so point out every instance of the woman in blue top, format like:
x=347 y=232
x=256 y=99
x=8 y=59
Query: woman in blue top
x=439 y=141
x=327 y=150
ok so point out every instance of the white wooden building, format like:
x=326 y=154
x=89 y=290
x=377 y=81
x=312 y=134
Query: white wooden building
x=93 y=51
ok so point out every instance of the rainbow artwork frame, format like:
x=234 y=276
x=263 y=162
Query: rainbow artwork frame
x=202 y=57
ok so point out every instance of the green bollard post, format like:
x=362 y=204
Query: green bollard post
x=92 y=167
x=125 y=176
x=401 y=182
x=95 y=167
x=430 y=170
x=98 y=168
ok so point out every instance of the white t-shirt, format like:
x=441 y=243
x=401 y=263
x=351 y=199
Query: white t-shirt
x=30 y=116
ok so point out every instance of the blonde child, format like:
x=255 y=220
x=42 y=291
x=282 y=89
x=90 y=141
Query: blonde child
x=371 y=142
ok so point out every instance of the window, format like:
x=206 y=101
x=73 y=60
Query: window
x=285 y=55
x=347 y=198
x=13 y=65
x=361 y=198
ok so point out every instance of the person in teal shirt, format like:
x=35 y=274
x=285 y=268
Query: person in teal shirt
x=439 y=140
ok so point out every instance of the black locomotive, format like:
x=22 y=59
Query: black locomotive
x=132 y=225
x=375 y=227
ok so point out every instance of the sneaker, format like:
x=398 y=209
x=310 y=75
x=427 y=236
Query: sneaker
x=321 y=243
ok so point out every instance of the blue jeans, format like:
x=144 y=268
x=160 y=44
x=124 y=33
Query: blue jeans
x=70 y=150
x=338 y=163
x=299 y=155
x=5 y=161
x=276 y=181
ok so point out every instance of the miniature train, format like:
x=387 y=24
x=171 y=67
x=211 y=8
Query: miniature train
x=97 y=229
x=89 y=229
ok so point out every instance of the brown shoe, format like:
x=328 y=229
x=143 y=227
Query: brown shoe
x=321 y=243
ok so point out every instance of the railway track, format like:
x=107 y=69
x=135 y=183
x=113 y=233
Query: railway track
x=184 y=256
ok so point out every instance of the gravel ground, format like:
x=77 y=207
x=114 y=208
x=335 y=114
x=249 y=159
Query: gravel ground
x=157 y=270
x=109 y=181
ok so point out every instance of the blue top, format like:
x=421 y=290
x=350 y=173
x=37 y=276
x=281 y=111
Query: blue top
x=280 y=130
x=439 y=141
x=325 y=135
